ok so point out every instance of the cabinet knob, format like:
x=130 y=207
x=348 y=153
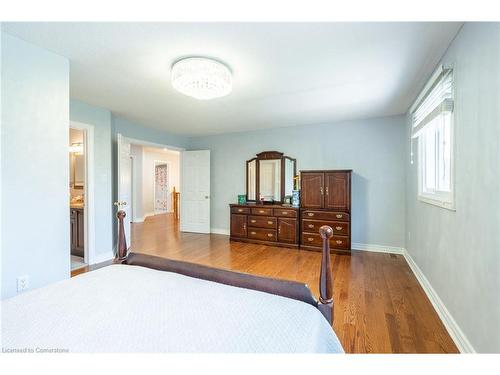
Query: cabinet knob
x=253 y=233
x=310 y=214
x=270 y=235
x=311 y=225
x=270 y=222
x=338 y=216
x=338 y=228
x=261 y=211
x=310 y=239
x=253 y=221
x=284 y=212
x=338 y=242
x=240 y=210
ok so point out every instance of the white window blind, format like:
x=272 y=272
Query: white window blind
x=432 y=126
x=436 y=102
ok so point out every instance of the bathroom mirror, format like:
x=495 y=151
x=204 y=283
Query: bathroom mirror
x=270 y=177
x=77 y=173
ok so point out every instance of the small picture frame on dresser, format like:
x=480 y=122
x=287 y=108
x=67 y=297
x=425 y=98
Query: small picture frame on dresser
x=242 y=199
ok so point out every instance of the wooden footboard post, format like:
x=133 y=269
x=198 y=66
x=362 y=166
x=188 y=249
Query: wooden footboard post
x=121 y=251
x=325 y=303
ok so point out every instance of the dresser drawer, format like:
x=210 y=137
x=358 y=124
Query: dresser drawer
x=284 y=212
x=262 y=222
x=240 y=210
x=262 y=211
x=325 y=215
x=336 y=242
x=311 y=239
x=339 y=227
x=262 y=234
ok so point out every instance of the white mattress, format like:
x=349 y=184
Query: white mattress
x=134 y=309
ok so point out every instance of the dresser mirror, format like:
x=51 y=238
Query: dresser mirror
x=270 y=177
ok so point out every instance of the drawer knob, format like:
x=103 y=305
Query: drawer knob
x=338 y=242
x=261 y=211
x=270 y=222
x=311 y=225
x=284 y=212
x=269 y=235
x=310 y=214
x=338 y=228
x=240 y=209
x=253 y=221
x=338 y=216
x=310 y=239
x=253 y=233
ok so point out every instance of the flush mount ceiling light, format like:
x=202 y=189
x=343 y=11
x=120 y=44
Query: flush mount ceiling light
x=201 y=78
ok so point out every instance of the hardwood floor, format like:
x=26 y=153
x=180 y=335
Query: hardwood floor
x=379 y=305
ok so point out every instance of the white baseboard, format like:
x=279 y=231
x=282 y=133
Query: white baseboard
x=103 y=257
x=377 y=248
x=219 y=231
x=147 y=214
x=456 y=334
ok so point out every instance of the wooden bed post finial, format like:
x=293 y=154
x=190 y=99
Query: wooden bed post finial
x=325 y=303
x=121 y=251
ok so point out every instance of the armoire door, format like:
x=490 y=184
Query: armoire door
x=337 y=188
x=287 y=230
x=312 y=193
x=238 y=225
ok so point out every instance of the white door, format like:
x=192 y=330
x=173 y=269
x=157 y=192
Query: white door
x=195 y=194
x=124 y=182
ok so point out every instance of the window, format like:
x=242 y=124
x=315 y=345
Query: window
x=432 y=125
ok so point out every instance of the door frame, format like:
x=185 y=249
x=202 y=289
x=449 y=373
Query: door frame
x=156 y=163
x=142 y=142
x=88 y=191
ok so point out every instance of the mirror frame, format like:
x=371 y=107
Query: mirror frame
x=268 y=155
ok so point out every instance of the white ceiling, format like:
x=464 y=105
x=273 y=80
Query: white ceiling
x=284 y=73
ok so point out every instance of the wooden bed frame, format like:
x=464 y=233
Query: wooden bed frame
x=285 y=288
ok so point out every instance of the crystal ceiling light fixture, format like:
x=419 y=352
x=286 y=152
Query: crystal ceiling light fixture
x=201 y=78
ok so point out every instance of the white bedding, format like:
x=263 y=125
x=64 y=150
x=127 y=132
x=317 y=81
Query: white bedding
x=160 y=312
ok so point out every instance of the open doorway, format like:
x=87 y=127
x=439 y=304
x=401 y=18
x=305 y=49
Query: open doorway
x=155 y=188
x=77 y=189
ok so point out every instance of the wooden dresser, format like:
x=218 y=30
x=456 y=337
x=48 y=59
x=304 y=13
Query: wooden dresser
x=325 y=199
x=275 y=225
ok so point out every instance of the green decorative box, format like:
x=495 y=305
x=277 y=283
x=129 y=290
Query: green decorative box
x=242 y=199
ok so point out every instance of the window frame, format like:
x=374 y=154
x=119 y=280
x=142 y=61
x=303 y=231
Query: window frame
x=438 y=198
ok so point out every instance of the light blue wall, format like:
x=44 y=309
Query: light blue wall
x=459 y=252
x=135 y=130
x=100 y=118
x=35 y=165
x=374 y=149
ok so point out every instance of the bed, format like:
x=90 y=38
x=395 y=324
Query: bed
x=149 y=304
